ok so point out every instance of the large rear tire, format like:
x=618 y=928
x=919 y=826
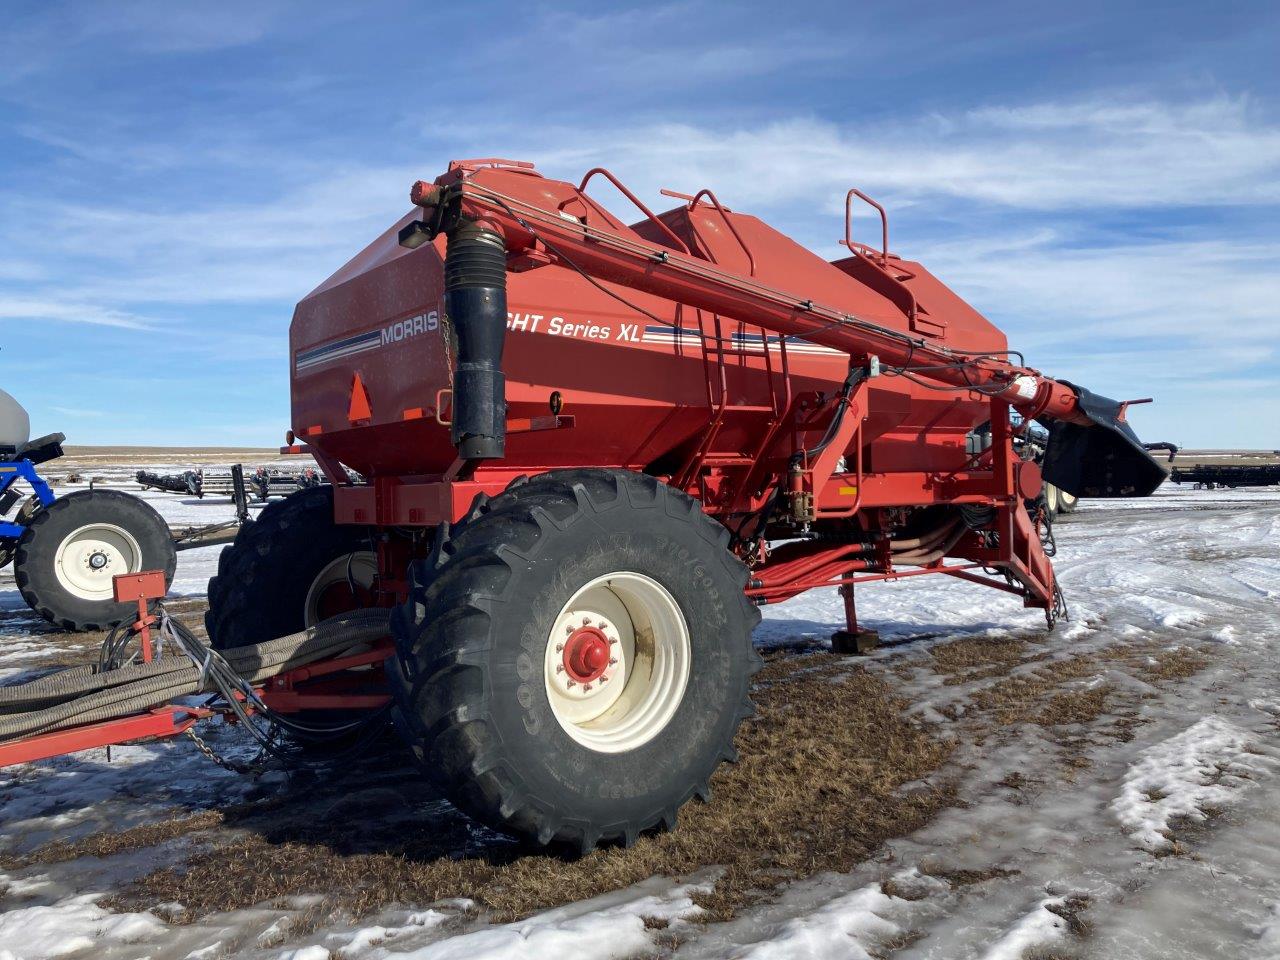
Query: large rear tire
x=1067 y=502
x=288 y=569
x=575 y=662
x=73 y=548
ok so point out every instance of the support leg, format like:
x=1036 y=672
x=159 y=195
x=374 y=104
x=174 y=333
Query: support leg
x=851 y=639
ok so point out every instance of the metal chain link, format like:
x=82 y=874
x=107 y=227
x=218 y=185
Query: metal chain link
x=234 y=766
x=446 y=330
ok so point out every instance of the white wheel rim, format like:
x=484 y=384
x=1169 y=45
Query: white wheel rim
x=1067 y=500
x=1051 y=497
x=90 y=556
x=620 y=701
x=359 y=568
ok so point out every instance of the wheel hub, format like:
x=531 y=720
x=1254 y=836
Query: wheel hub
x=86 y=559
x=586 y=654
x=588 y=659
x=617 y=661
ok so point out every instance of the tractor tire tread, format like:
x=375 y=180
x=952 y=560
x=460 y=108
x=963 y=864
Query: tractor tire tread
x=260 y=544
x=441 y=684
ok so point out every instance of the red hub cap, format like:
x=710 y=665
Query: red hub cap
x=586 y=654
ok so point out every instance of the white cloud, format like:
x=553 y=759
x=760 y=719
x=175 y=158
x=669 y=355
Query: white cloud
x=1220 y=294
x=654 y=47
x=35 y=308
x=51 y=35
x=1068 y=155
x=209 y=250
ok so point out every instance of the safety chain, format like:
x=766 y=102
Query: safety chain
x=1057 y=609
x=446 y=331
x=1044 y=526
x=235 y=766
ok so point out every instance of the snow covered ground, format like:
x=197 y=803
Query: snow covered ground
x=1117 y=783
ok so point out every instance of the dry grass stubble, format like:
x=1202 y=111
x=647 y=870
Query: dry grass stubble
x=817 y=788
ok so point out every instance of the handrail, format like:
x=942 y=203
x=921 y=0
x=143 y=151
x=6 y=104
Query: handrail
x=475 y=163
x=751 y=260
x=884 y=223
x=582 y=189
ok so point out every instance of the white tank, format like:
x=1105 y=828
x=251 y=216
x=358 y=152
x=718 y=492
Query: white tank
x=15 y=425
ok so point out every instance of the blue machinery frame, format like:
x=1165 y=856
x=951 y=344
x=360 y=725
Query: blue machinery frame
x=10 y=471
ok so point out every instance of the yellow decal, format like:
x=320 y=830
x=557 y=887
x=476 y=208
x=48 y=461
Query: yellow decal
x=848 y=491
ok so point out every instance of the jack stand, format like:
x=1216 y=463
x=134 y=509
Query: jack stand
x=852 y=640
x=141 y=587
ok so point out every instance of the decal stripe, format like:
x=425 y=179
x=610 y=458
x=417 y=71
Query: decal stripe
x=736 y=343
x=339 y=348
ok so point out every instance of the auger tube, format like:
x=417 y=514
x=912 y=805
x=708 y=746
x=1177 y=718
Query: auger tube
x=1120 y=466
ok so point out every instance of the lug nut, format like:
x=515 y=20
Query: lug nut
x=586 y=621
x=612 y=662
x=559 y=669
x=586 y=687
x=559 y=647
x=571 y=684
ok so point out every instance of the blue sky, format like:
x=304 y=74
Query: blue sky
x=1100 y=179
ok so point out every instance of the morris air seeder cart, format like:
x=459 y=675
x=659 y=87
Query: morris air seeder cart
x=593 y=451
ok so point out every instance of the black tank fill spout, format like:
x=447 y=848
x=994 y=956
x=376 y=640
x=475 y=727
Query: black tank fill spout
x=475 y=284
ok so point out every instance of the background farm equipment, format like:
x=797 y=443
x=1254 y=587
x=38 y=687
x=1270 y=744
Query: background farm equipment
x=593 y=451
x=263 y=483
x=1213 y=475
x=65 y=550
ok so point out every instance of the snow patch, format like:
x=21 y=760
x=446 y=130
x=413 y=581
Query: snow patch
x=307 y=953
x=602 y=928
x=1269 y=935
x=1039 y=927
x=844 y=928
x=48 y=932
x=23 y=886
x=1226 y=635
x=1203 y=767
x=367 y=938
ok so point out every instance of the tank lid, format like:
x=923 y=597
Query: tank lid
x=15 y=425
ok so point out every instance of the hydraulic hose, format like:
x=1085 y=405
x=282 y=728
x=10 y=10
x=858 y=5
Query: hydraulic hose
x=79 y=695
x=856 y=375
x=925 y=540
x=924 y=557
